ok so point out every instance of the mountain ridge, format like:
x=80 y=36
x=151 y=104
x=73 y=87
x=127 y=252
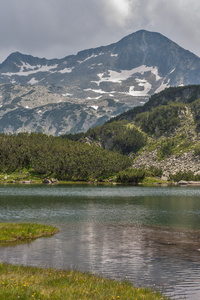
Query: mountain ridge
x=101 y=82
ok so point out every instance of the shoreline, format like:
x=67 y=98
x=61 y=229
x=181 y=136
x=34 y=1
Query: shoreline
x=150 y=182
x=27 y=282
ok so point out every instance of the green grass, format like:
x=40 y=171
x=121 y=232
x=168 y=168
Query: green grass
x=19 y=282
x=20 y=176
x=11 y=232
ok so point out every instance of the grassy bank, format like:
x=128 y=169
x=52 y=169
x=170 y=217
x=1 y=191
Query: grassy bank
x=10 y=232
x=18 y=282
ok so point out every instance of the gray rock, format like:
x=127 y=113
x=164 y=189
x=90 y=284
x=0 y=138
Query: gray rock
x=183 y=182
x=47 y=181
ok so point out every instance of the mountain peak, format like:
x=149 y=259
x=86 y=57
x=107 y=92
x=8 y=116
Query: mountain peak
x=83 y=90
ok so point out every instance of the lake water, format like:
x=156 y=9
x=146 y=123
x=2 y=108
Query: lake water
x=148 y=235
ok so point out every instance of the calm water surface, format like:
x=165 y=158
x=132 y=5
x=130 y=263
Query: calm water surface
x=148 y=235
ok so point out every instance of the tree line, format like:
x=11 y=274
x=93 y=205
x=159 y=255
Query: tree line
x=55 y=156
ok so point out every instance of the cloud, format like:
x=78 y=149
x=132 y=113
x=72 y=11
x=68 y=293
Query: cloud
x=57 y=28
x=117 y=12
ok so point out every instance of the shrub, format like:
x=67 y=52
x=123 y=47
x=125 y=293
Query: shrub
x=166 y=148
x=153 y=172
x=131 y=175
x=196 y=112
x=118 y=137
x=188 y=176
x=197 y=150
x=160 y=120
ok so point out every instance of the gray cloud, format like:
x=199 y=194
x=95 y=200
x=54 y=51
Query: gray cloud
x=56 y=28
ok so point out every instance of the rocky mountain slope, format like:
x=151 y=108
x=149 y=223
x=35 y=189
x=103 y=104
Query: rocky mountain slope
x=84 y=90
x=165 y=132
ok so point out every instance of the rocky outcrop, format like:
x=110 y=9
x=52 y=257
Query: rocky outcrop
x=171 y=165
x=49 y=180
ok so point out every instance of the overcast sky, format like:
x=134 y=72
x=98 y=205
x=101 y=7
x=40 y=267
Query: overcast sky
x=57 y=28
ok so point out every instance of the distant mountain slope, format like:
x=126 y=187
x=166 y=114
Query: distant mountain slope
x=109 y=80
x=182 y=94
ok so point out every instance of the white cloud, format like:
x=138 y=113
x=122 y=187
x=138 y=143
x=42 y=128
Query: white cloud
x=117 y=11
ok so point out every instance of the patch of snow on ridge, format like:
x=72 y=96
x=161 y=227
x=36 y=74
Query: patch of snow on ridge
x=162 y=87
x=95 y=91
x=95 y=107
x=172 y=71
x=92 y=98
x=67 y=94
x=113 y=55
x=118 y=77
x=66 y=70
x=89 y=57
x=147 y=87
x=33 y=81
x=26 y=70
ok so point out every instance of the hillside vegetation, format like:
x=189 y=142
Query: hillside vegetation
x=163 y=138
x=166 y=130
x=54 y=156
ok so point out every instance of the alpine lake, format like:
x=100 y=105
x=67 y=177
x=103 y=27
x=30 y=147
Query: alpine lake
x=147 y=235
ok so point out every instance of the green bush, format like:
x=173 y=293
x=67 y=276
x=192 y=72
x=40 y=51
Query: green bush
x=187 y=176
x=197 y=150
x=160 y=120
x=153 y=172
x=131 y=175
x=65 y=159
x=118 y=137
x=166 y=149
x=196 y=113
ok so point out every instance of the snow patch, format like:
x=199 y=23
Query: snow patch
x=113 y=55
x=33 y=81
x=95 y=91
x=92 y=98
x=89 y=57
x=141 y=82
x=66 y=70
x=26 y=70
x=118 y=77
x=67 y=94
x=172 y=71
x=95 y=107
x=162 y=87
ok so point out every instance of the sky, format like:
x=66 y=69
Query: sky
x=58 y=28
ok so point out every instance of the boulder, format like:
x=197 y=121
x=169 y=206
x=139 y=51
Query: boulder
x=47 y=181
x=182 y=182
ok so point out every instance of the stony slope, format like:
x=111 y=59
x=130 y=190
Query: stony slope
x=171 y=124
